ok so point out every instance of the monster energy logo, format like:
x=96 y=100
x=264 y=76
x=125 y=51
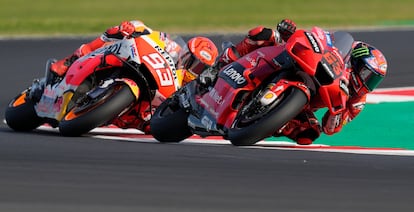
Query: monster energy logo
x=359 y=52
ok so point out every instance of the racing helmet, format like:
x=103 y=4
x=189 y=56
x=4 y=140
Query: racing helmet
x=369 y=68
x=201 y=54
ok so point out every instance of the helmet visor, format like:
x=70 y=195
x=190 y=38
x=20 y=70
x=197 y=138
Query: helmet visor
x=370 y=78
x=193 y=64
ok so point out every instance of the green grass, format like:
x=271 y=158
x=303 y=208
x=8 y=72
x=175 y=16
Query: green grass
x=384 y=125
x=57 y=17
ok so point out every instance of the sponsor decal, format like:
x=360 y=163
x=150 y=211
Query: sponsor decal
x=133 y=51
x=360 y=52
x=251 y=60
x=333 y=122
x=233 y=74
x=206 y=55
x=344 y=87
x=328 y=39
x=162 y=71
x=268 y=98
x=313 y=42
x=321 y=34
x=216 y=96
x=207 y=122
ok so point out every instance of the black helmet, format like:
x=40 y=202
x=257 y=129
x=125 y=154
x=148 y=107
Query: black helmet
x=369 y=68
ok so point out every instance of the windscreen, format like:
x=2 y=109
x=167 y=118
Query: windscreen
x=343 y=41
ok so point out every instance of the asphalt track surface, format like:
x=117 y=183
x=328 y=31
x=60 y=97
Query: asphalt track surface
x=42 y=171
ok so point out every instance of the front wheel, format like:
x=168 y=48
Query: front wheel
x=252 y=128
x=95 y=112
x=169 y=123
x=20 y=114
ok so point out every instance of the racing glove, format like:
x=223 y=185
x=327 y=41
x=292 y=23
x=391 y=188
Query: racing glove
x=256 y=38
x=286 y=28
x=125 y=29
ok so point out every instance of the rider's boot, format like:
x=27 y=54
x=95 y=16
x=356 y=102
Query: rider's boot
x=60 y=67
x=51 y=76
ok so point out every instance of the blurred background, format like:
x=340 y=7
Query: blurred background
x=86 y=17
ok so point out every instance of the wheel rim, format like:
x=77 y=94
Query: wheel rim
x=256 y=113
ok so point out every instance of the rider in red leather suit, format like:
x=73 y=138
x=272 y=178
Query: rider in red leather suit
x=367 y=69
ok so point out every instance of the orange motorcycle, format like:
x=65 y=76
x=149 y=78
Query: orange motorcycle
x=120 y=83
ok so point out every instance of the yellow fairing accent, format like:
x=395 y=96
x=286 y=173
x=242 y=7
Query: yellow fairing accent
x=180 y=76
x=155 y=36
x=66 y=98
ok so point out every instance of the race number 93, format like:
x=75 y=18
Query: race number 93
x=157 y=62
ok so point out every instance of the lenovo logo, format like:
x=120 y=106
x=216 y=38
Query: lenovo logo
x=234 y=75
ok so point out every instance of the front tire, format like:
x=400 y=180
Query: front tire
x=169 y=123
x=96 y=112
x=20 y=114
x=291 y=105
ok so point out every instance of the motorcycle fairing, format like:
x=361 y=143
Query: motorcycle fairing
x=160 y=64
x=97 y=60
x=334 y=93
x=316 y=54
x=238 y=79
x=150 y=54
x=54 y=100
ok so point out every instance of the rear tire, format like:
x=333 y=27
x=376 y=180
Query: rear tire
x=83 y=118
x=20 y=114
x=290 y=106
x=169 y=123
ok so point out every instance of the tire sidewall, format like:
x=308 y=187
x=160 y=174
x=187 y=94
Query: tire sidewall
x=171 y=127
x=22 y=117
x=105 y=111
x=289 y=108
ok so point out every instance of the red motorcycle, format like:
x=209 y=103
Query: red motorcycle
x=255 y=96
x=124 y=79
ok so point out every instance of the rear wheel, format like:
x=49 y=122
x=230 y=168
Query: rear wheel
x=20 y=114
x=252 y=127
x=169 y=123
x=91 y=113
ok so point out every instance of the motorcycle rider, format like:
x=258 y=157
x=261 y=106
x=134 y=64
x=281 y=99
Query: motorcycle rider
x=257 y=37
x=202 y=51
x=199 y=54
x=367 y=69
x=125 y=29
x=196 y=55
